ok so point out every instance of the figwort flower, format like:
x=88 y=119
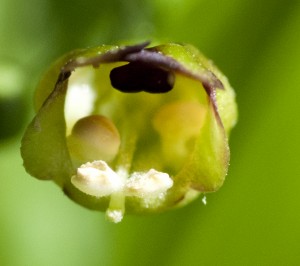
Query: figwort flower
x=131 y=129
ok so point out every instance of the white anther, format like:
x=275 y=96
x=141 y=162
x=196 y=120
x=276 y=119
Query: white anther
x=151 y=183
x=97 y=179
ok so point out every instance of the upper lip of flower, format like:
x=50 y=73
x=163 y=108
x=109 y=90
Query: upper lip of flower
x=137 y=53
x=149 y=56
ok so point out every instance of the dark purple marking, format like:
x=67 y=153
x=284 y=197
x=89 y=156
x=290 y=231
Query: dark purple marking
x=136 y=77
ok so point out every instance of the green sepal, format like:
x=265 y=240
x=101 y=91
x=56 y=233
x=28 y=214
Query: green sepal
x=44 y=149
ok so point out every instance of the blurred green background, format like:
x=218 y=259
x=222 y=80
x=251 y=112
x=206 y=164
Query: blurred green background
x=254 y=219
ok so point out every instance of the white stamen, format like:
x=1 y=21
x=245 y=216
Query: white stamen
x=97 y=179
x=151 y=183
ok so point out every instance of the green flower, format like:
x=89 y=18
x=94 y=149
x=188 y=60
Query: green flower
x=131 y=129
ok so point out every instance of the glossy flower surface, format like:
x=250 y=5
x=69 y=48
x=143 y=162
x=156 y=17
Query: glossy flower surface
x=135 y=129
